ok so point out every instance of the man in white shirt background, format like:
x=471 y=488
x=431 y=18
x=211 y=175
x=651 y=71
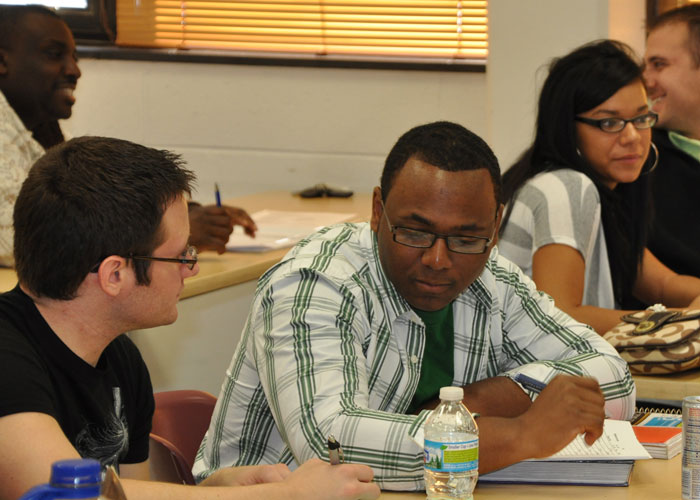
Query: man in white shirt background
x=38 y=75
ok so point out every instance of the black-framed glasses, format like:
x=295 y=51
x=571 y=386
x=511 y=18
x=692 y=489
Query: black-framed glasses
x=425 y=239
x=614 y=124
x=188 y=258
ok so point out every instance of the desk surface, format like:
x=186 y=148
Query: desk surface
x=651 y=480
x=231 y=268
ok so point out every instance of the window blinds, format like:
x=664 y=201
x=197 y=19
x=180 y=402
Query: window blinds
x=387 y=28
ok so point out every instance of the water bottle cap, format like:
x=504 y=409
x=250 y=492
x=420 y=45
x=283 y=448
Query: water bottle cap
x=451 y=393
x=76 y=473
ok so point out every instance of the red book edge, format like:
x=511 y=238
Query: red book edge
x=655 y=434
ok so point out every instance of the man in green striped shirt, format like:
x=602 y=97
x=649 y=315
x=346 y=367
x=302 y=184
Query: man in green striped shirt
x=360 y=324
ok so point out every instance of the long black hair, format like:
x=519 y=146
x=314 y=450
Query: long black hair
x=576 y=83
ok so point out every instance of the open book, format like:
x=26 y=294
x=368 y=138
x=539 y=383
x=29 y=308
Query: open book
x=608 y=462
x=282 y=229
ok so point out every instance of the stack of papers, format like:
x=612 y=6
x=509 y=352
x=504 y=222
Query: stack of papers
x=608 y=462
x=282 y=229
x=660 y=442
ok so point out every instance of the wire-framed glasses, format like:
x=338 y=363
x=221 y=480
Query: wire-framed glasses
x=188 y=257
x=614 y=124
x=425 y=239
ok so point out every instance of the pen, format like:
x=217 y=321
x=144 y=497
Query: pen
x=530 y=383
x=335 y=454
x=217 y=194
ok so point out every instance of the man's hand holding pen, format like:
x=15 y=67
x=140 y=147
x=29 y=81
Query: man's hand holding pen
x=566 y=407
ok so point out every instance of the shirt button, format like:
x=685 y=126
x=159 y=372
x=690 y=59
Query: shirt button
x=414 y=359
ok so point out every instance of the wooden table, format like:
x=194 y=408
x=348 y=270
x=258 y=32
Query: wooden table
x=672 y=387
x=219 y=271
x=651 y=480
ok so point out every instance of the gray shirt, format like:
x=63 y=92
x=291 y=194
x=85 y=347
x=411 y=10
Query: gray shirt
x=561 y=207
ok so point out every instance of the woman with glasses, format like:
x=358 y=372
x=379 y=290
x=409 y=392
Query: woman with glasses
x=577 y=200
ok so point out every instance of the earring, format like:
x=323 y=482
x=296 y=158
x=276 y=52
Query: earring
x=578 y=151
x=656 y=160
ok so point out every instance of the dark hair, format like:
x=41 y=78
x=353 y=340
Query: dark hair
x=576 y=83
x=87 y=199
x=11 y=17
x=690 y=15
x=446 y=145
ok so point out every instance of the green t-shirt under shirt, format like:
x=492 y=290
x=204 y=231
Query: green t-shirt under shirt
x=437 y=369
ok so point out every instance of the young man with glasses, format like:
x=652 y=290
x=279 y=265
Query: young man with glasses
x=361 y=324
x=101 y=246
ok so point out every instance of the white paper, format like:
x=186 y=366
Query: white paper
x=618 y=442
x=281 y=229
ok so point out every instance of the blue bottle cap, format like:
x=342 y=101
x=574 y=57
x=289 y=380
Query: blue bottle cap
x=85 y=473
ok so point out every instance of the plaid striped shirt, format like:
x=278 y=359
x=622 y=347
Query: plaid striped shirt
x=330 y=347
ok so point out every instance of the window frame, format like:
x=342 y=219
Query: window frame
x=95 y=24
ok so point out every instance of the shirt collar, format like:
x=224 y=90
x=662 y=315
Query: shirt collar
x=10 y=115
x=686 y=144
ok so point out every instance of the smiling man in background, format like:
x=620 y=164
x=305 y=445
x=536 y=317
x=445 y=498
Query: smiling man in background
x=672 y=77
x=38 y=75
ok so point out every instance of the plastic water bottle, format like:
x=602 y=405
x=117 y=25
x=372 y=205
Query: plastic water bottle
x=451 y=449
x=76 y=478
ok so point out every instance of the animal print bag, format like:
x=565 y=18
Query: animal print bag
x=658 y=342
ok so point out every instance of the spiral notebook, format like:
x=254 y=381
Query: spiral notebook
x=659 y=430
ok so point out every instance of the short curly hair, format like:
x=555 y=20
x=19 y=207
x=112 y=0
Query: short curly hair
x=445 y=145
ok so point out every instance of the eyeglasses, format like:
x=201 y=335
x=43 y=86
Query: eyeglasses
x=189 y=257
x=612 y=125
x=425 y=239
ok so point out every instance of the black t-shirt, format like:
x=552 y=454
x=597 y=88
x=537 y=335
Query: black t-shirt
x=105 y=411
x=675 y=238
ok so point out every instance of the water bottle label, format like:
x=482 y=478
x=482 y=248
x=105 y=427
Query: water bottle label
x=461 y=456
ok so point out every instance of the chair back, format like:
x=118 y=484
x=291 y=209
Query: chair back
x=180 y=421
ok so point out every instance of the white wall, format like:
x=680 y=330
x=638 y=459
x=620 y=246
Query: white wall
x=253 y=128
